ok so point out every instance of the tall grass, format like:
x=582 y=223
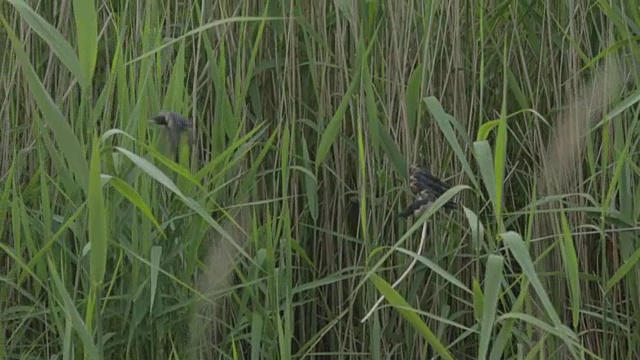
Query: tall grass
x=275 y=236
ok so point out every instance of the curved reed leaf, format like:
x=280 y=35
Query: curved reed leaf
x=333 y=128
x=86 y=16
x=70 y=310
x=133 y=196
x=56 y=41
x=444 y=121
x=518 y=249
x=73 y=152
x=437 y=269
x=492 y=281
x=484 y=158
x=412 y=100
x=396 y=300
x=309 y=180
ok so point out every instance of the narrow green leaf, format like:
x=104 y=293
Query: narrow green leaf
x=514 y=85
x=478 y=301
x=572 y=271
x=174 y=97
x=90 y=310
x=86 y=17
x=412 y=100
x=500 y=152
x=506 y=331
x=4 y=199
x=373 y=121
x=98 y=236
x=310 y=181
x=156 y=254
x=257 y=325
x=485 y=164
x=285 y=152
x=492 y=280
x=476 y=227
x=362 y=179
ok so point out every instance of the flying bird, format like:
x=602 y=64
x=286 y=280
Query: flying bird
x=426 y=188
x=175 y=124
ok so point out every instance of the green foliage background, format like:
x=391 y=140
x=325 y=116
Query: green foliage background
x=307 y=115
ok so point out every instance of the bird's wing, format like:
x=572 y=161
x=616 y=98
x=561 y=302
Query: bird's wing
x=426 y=188
x=421 y=179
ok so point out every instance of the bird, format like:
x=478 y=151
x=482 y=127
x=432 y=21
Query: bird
x=175 y=124
x=426 y=188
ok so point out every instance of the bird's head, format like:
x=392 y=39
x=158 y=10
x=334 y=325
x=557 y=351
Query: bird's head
x=172 y=120
x=161 y=119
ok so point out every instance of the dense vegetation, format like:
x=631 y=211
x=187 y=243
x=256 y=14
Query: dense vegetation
x=307 y=116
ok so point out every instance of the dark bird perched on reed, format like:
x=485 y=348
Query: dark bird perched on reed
x=426 y=188
x=175 y=124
